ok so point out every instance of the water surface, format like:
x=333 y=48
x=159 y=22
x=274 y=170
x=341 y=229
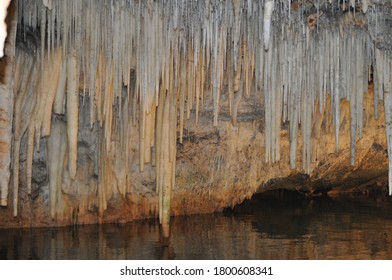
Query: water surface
x=271 y=226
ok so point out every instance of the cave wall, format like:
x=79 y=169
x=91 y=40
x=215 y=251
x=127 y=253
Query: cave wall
x=138 y=109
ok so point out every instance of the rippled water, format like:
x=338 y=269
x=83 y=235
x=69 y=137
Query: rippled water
x=276 y=226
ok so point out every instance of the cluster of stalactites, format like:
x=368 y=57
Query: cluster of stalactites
x=183 y=53
x=300 y=73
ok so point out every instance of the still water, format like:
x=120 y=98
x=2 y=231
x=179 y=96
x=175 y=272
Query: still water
x=271 y=226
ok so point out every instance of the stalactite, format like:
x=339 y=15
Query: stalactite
x=72 y=114
x=199 y=86
x=19 y=129
x=158 y=153
x=182 y=100
x=388 y=116
x=189 y=82
x=165 y=186
x=236 y=103
x=172 y=144
x=52 y=77
x=142 y=144
x=277 y=112
x=359 y=88
x=365 y=5
x=216 y=73
x=269 y=6
x=57 y=146
x=150 y=141
x=101 y=184
x=15 y=173
x=59 y=100
x=26 y=76
x=336 y=94
x=375 y=93
x=29 y=157
x=246 y=70
x=48 y=4
x=294 y=127
x=353 y=118
x=43 y=34
x=236 y=92
x=107 y=103
x=267 y=105
x=6 y=99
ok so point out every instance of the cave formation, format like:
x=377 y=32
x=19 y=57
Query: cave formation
x=117 y=110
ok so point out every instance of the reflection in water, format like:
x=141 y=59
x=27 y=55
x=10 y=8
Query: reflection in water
x=267 y=227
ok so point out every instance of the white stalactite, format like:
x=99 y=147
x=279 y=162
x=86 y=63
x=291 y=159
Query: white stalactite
x=59 y=100
x=57 y=146
x=6 y=100
x=48 y=4
x=365 y=5
x=388 y=120
x=49 y=90
x=269 y=7
x=72 y=114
